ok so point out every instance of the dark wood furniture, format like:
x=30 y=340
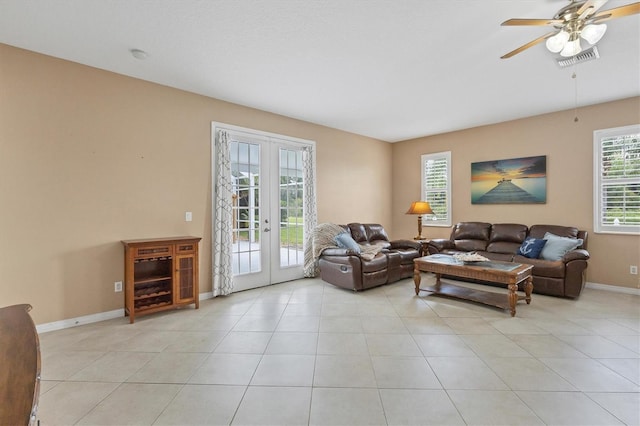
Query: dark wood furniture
x=424 y=245
x=19 y=366
x=497 y=272
x=160 y=274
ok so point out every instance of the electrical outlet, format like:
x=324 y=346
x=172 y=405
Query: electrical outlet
x=188 y=216
x=117 y=286
x=633 y=270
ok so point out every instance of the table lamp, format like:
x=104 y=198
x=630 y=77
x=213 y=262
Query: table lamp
x=420 y=208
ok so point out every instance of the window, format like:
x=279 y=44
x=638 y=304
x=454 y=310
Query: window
x=617 y=180
x=436 y=187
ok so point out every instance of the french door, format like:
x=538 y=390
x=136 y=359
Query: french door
x=267 y=191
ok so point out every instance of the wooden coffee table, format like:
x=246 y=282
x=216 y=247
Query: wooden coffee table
x=497 y=272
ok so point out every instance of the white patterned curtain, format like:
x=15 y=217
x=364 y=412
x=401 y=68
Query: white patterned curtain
x=310 y=208
x=222 y=216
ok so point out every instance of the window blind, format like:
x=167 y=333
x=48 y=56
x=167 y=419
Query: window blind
x=618 y=180
x=436 y=187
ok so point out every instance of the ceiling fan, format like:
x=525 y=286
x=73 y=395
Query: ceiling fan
x=579 y=19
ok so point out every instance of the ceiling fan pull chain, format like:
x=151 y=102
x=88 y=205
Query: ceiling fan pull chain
x=574 y=76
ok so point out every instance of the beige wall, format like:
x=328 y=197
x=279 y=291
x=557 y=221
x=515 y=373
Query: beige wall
x=89 y=158
x=569 y=150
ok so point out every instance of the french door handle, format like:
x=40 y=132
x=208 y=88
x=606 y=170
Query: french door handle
x=267 y=229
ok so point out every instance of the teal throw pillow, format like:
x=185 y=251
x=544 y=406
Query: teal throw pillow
x=344 y=240
x=531 y=247
x=556 y=247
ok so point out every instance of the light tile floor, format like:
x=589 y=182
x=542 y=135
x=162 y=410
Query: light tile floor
x=306 y=352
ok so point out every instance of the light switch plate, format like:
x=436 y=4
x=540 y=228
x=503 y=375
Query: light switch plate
x=188 y=217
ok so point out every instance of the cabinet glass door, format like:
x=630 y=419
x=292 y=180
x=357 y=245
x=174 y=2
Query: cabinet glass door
x=184 y=278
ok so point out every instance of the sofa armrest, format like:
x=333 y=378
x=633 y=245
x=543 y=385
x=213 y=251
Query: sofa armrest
x=439 y=244
x=338 y=252
x=405 y=244
x=578 y=254
x=575 y=263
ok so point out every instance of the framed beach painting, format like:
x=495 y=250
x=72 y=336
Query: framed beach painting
x=513 y=181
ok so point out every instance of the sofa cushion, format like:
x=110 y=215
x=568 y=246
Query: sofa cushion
x=470 y=245
x=502 y=257
x=376 y=233
x=508 y=232
x=557 y=246
x=543 y=268
x=471 y=231
x=344 y=240
x=506 y=238
x=378 y=263
x=531 y=248
x=358 y=232
x=406 y=254
x=538 y=231
x=503 y=247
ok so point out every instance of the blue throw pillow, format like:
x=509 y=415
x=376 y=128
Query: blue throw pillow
x=344 y=240
x=531 y=248
x=556 y=246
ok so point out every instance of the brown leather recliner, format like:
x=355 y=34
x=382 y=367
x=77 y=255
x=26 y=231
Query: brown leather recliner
x=564 y=277
x=345 y=268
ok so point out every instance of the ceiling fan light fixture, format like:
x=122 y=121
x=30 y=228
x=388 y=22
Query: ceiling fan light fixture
x=572 y=47
x=593 y=32
x=579 y=19
x=556 y=43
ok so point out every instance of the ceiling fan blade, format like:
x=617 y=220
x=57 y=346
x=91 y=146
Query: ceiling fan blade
x=590 y=7
x=618 y=12
x=528 y=45
x=537 y=22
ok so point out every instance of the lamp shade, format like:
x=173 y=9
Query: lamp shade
x=556 y=43
x=572 y=47
x=420 y=207
x=593 y=33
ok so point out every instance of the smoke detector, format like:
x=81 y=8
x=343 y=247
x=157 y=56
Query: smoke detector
x=139 y=54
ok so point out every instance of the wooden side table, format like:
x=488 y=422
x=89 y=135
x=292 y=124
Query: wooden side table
x=424 y=246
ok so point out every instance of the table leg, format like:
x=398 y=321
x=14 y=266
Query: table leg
x=416 y=279
x=438 y=282
x=513 y=298
x=528 y=289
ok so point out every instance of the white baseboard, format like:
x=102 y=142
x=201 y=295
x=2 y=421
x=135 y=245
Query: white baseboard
x=88 y=319
x=614 y=288
x=74 y=322
x=204 y=296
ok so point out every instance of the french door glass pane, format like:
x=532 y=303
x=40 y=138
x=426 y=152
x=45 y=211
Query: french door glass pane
x=245 y=174
x=291 y=198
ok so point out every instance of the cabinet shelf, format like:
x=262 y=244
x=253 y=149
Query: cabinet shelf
x=148 y=280
x=160 y=274
x=152 y=259
x=152 y=306
x=146 y=296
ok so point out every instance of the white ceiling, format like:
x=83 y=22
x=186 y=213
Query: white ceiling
x=388 y=69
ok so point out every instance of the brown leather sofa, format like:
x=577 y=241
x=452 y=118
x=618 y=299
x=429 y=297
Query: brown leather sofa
x=565 y=277
x=345 y=268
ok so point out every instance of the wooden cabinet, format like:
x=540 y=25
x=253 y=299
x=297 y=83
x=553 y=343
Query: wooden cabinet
x=160 y=274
